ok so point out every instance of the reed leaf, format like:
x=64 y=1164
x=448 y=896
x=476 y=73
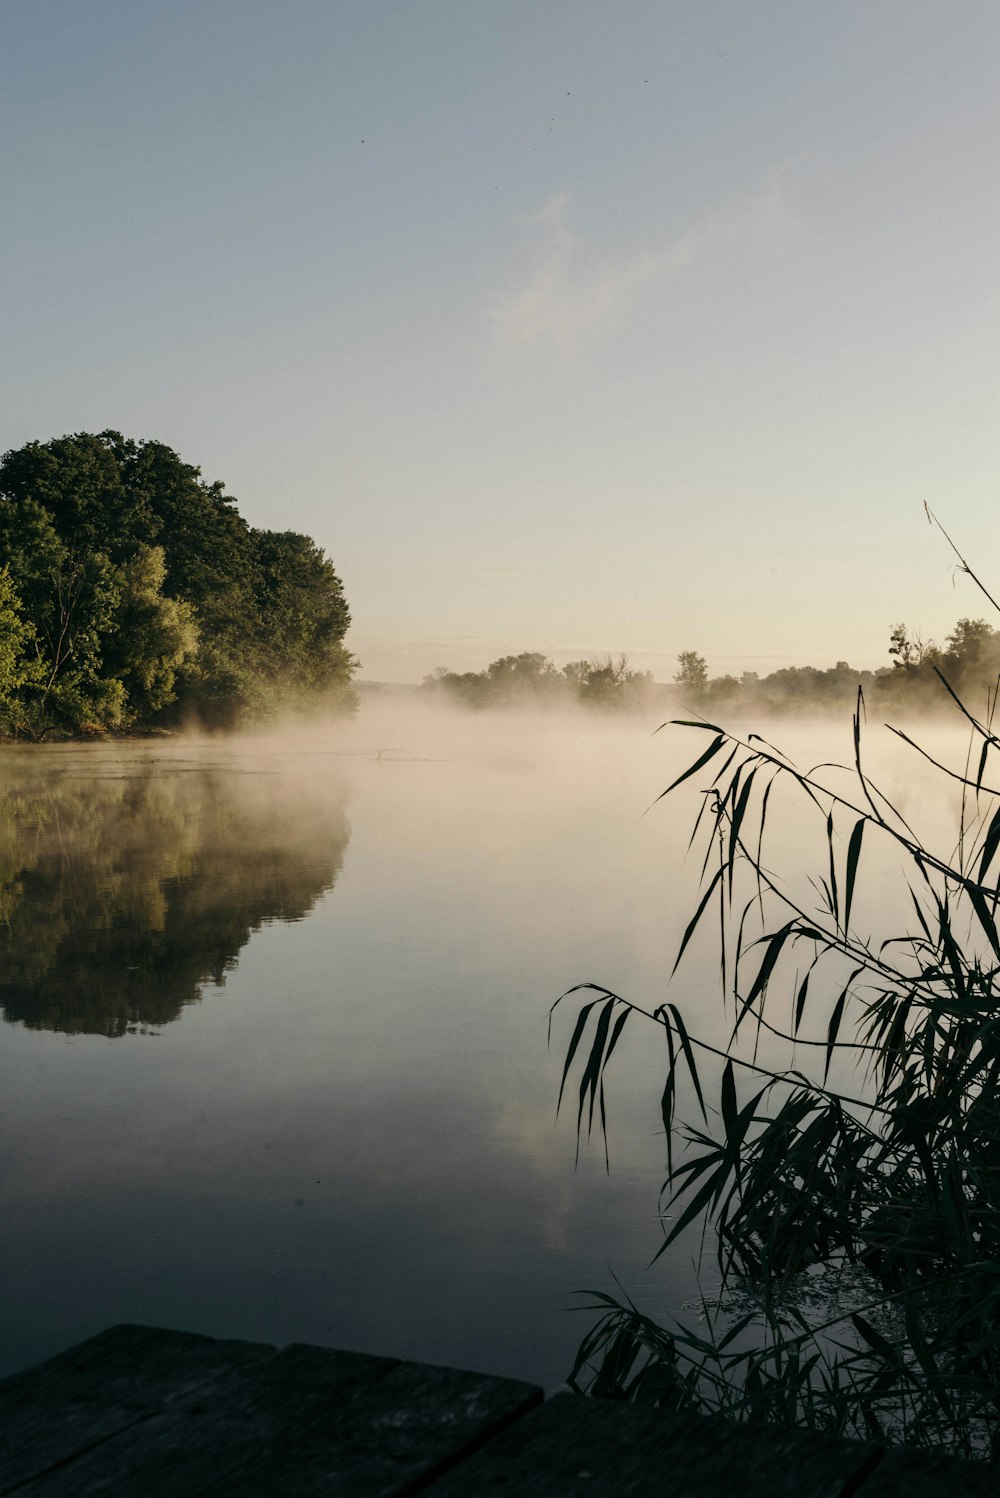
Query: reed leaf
x=853 y=856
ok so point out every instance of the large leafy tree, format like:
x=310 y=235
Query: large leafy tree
x=150 y=597
x=692 y=673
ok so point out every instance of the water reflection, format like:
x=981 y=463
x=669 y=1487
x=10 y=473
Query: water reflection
x=128 y=884
x=357 y=1144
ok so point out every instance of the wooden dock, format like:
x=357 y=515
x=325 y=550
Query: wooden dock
x=159 y=1414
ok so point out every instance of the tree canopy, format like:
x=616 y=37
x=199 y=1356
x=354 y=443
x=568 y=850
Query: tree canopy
x=531 y=679
x=133 y=593
x=919 y=676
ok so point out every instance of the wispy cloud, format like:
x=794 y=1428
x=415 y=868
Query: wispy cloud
x=563 y=300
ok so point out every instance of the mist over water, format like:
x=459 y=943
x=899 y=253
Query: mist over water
x=275 y=1057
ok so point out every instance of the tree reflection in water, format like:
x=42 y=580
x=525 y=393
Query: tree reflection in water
x=127 y=883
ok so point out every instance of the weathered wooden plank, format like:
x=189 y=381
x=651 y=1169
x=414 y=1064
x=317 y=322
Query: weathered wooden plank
x=153 y=1413
x=573 y=1446
x=249 y=1410
x=384 y=1441
x=101 y=1387
x=308 y=1420
x=927 y=1474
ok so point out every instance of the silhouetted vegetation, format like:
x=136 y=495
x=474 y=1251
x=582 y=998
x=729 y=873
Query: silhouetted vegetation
x=132 y=593
x=530 y=678
x=872 y=1175
x=970 y=660
x=124 y=889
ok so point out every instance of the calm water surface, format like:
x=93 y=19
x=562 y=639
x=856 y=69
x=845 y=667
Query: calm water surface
x=274 y=1063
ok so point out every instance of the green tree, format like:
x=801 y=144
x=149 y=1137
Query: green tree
x=692 y=673
x=151 y=597
x=723 y=690
x=972 y=660
x=576 y=673
x=211 y=564
x=610 y=682
x=514 y=675
x=69 y=595
x=604 y=685
x=152 y=635
x=18 y=663
x=902 y=648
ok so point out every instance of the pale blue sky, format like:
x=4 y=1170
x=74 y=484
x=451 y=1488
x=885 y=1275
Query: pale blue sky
x=562 y=326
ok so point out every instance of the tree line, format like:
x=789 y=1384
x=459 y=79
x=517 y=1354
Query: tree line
x=134 y=594
x=969 y=662
x=532 y=679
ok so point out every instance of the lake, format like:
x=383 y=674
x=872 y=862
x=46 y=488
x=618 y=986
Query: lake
x=274 y=1063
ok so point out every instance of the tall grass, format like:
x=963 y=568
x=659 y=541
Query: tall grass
x=873 y=1168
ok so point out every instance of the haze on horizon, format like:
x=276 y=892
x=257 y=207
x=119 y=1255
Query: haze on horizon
x=565 y=327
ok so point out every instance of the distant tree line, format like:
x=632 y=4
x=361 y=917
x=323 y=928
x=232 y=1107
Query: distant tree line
x=134 y=594
x=969 y=662
x=608 y=682
x=791 y=688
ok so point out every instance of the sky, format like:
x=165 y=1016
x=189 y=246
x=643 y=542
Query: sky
x=571 y=325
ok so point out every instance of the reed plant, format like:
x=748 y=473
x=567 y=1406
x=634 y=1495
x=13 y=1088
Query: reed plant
x=870 y=1169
